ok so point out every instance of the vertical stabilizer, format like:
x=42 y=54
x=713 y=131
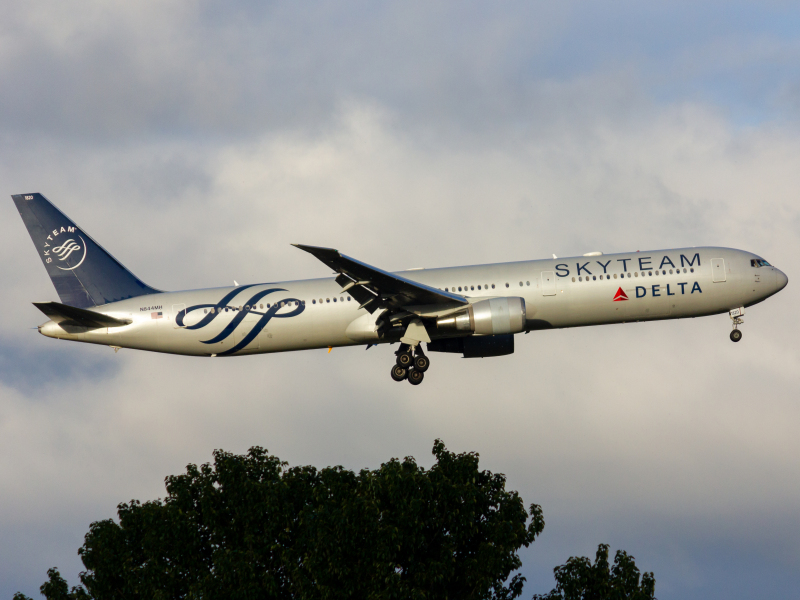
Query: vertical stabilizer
x=83 y=273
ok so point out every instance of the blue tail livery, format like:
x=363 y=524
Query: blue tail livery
x=83 y=273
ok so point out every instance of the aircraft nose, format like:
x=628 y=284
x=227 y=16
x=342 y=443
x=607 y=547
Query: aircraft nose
x=780 y=279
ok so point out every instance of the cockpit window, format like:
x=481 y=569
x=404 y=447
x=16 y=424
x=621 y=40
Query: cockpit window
x=759 y=262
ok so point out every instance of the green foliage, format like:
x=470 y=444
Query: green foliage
x=251 y=527
x=55 y=588
x=579 y=579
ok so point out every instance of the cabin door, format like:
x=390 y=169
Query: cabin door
x=718 y=270
x=548 y=283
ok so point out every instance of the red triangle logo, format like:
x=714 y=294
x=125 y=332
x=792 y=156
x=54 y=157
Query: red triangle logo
x=620 y=296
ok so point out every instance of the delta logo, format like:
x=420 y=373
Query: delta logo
x=620 y=295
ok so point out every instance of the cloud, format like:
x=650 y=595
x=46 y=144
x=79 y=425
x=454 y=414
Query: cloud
x=196 y=146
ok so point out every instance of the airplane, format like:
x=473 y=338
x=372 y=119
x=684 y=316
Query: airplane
x=474 y=311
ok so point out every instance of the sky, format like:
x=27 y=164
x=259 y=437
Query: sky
x=196 y=141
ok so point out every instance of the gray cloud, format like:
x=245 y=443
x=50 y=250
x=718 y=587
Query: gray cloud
x=196 y=145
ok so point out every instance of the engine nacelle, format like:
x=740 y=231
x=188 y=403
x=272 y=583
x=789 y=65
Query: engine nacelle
x=495 y=316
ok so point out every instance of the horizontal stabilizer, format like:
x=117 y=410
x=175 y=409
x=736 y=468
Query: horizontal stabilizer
x=61 y=313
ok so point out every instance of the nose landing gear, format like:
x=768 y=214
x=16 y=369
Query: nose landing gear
x=736 y=317
x=410 y=364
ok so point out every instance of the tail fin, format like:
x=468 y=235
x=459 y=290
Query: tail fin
x=83 y=273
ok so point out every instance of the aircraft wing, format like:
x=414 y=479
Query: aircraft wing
x=375 y=288
x=62 y=313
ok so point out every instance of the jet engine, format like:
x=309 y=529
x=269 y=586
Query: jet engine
x=486 y=317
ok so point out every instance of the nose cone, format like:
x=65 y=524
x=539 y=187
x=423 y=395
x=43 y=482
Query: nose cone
x=780 y=280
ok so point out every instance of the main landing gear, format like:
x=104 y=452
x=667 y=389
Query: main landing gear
x=736 y=317
x=410 y=364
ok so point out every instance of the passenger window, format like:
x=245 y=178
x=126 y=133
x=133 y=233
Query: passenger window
x=479 y=287
x=527 y=283
x=615 y=275
x=594 y=277
x=601 y=278
x=328 y=300
x=334 y=299
x=573 y=280
x=472 y=287
x=520 y=284
x=506 y=285
x=492 y=286
x=205 y=311
x=313 y=302
x=691 y=270
x=636 y=274
x=459 y=288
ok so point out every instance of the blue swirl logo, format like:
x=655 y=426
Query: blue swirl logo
x=272 y=312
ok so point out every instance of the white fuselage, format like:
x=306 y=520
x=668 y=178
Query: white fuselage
x=558 y=293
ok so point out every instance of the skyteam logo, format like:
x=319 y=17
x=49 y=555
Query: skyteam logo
x=63 y=250
x=276 y=311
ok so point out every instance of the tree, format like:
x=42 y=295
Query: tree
x=579 y=579
x=56 y=588
x=249 y=526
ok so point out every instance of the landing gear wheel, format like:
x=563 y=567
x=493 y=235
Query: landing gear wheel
x=415 y=377
x=421 y=363
x=405 y=359
x=399 y=373
x=736 y=335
